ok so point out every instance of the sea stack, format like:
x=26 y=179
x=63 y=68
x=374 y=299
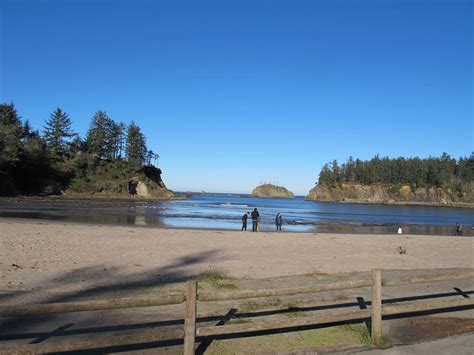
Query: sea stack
x=269 y=190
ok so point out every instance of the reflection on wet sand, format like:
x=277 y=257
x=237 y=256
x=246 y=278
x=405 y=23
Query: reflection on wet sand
x=211 y=213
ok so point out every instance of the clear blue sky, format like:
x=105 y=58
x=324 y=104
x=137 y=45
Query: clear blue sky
x=233 y=93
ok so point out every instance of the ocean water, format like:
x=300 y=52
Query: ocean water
x=224 y=211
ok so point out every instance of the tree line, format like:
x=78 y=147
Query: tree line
x=443 y=171
x=57 y=151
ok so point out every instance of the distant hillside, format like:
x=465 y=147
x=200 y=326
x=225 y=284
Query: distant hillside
x=390 y=194
x=434 y=180
x=269 y=190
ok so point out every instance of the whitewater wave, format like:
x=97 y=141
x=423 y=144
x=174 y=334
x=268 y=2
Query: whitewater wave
x=226 y=205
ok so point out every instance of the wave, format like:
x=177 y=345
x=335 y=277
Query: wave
x=233 y=205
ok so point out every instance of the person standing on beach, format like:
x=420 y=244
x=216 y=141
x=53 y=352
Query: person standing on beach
x=255 y=218
x=244 y=221
x=278 y=221
x=400 y=230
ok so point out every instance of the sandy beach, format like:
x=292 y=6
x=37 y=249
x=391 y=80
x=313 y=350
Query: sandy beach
x=64 y=257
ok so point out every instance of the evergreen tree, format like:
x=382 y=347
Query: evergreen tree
x=136 y=145
x=57 y=131
x=440 y=172
x=11 y=135
x=98 y=136
x=466 y=168
x=151 y=158
x=76 y=146
x=119 y=140
x=350 y=174
x=326 y=176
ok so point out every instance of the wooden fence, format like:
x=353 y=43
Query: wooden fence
x=191 y=298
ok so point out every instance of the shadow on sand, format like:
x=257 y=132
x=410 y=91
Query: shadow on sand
x=22 y=329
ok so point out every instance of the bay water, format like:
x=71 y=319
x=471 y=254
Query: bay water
x=224 y=211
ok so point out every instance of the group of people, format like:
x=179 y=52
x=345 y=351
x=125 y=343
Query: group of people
x=255 y=216
x=459 y=229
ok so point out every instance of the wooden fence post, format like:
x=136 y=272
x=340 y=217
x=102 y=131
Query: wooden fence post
x=376 y=307
x=190 y=318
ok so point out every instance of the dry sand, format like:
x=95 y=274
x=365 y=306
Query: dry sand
x=39 y=255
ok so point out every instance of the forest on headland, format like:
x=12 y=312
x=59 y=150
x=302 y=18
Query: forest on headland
x=113 y=158
x=439 y=180
x=443 y=171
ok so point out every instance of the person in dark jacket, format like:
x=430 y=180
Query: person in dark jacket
x=255 y=218
x=278 y=221
x=244 y=221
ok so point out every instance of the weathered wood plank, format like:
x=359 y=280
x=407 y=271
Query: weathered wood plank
x=190 y=318
x=94 y=305
x=235 y=295
x=326 y=317
x=135 y=336
x=420 y=306
x=428 y=278
x=376 y=307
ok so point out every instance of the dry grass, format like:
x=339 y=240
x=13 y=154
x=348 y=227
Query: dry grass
x=216 y=278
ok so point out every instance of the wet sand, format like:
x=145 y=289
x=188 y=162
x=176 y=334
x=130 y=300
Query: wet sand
x=37 y=255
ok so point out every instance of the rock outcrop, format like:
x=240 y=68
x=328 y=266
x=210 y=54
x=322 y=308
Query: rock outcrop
x=390 y=194
x=148 y=184
x=269 y=190
x=119 y=179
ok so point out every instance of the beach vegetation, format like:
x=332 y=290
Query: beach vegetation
x=261 y=305
x=329 y=339
x=217 y=279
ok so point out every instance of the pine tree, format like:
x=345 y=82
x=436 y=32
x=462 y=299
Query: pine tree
x=57 y=131
x=11 y=135
x=136 y=145
x=97 y=139
x=151 y=158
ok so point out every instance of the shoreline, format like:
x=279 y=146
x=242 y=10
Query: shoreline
x=398 y=203
x=184 y=196
x=328 y=227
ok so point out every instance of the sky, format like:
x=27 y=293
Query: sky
x=232 y=94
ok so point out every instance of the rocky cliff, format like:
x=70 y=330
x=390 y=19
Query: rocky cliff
x=148 y=184
x=390 y=194
x=268 y=190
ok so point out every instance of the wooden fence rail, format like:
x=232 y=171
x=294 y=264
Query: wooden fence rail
x=129 y=337
x=238 y=295
x=191 y=298
x=428 y=278
x=96 y=305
